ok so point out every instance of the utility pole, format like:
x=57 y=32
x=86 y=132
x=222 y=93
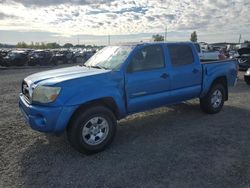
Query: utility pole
x=166 y=32
x=239 y=38
x=109 y=39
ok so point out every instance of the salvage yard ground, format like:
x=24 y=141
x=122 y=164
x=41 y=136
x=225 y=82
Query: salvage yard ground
x=176 y=146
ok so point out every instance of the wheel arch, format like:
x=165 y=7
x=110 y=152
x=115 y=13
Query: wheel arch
x=221 y=80
x=107 y=102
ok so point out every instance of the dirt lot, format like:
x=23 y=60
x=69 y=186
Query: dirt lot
x=178 y=146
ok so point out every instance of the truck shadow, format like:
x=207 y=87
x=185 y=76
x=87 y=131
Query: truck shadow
x=177 y=146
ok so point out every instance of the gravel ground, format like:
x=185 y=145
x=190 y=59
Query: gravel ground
x=176 y=146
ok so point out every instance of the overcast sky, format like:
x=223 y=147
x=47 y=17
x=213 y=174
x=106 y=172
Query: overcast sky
x=91 y=21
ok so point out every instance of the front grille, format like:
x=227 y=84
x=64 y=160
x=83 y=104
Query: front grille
x=25 y=90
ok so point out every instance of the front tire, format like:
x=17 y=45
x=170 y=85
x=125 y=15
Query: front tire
x=92 y=130
x=213 y=102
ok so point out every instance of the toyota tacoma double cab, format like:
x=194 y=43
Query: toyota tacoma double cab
x=87 y=100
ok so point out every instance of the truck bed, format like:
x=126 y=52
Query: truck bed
x=218 y=69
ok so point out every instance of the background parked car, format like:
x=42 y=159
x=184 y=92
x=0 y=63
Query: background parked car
x=207 y=55
x=1 y=61
x=89 y=54
x=69 y=56
x=33 y=57
x=233 y=54
x=59 y=57
x=247 y=77
x=3 y=53
x=81 y=57
x=15 y=58
x=40 y=57
x=244 y=58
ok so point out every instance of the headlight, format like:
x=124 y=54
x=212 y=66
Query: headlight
x=45 y=94
x=248 y=72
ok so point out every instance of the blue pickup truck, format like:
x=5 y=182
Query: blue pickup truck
x=87 y=100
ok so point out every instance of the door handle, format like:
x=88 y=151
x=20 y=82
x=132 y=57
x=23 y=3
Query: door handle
x=164 y=76
x=195 y=71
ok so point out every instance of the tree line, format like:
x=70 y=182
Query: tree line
x=43 y=45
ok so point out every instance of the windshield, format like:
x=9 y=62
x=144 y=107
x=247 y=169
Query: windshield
x=110 y=57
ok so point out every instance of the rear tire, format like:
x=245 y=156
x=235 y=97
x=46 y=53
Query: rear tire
x=92 y=130
x=213 y=102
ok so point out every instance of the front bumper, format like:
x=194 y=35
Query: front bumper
x=46 y=118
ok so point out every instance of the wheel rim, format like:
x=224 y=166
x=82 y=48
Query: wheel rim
x=216 y=98
x=95 y=130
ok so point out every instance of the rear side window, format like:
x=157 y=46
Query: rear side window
x=180 y=54
x=147 y=58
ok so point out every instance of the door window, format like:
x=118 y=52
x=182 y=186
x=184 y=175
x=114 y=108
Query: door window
x=147 y=58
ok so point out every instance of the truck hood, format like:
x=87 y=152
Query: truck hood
x=244 y=51
x=59 y=75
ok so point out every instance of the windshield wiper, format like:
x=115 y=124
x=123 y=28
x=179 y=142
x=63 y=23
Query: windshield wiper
x=82 y=65
x=93 y=66
x=98 y=67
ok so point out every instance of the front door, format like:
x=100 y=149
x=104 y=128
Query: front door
x=147 y=79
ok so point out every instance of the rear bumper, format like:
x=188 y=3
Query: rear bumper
x=46 y=119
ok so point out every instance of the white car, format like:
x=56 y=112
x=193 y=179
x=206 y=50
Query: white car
x=205 y=55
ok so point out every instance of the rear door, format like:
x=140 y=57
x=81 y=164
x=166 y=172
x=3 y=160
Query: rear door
x=147 y=79
x=186 y=71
